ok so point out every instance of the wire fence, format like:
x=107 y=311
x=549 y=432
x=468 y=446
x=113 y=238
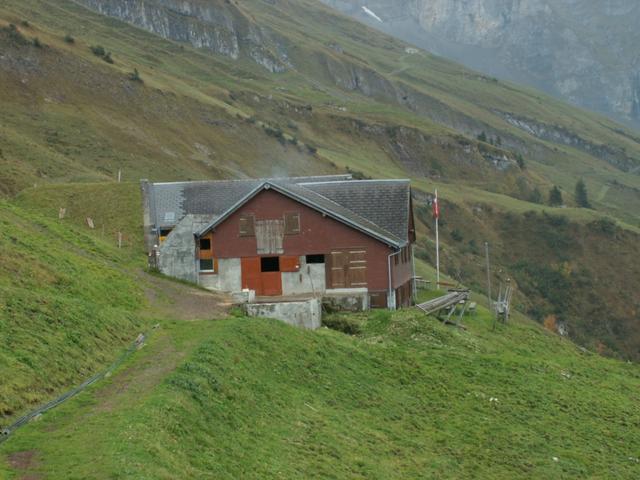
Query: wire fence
x=6 y=432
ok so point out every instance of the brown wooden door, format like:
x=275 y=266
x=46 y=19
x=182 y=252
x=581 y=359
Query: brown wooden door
x=271 y=283
x=347 y=268
x=250 y=267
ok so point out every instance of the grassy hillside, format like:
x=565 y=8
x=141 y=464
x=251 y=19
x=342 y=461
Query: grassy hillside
x=68 y=303
x=349 y=91
x=405 y=398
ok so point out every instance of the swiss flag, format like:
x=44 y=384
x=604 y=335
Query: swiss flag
x=436 y=207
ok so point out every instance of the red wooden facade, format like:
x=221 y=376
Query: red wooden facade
x=353 y=259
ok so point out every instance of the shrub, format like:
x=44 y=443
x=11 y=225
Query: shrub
x=312 y=149
x=551 y=323
x=520 y=162
x=357 y=174
x=25 y=23
x=482 y=137
x=535 y=196
x=98 y=50
x=342 y=323
x=603 y=225
x=456 y=235
x=14 y=34
x=69 y=39
x=135 y=76
x=37 y=43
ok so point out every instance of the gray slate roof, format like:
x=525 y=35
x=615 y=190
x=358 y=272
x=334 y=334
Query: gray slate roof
x=379 y=208
x=382 y=202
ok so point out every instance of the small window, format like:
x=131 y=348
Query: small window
x=205 y=244
x=164 y=233
x=270 y=264
x=318 y=258
x=206 y=264
x=291 y=223
x=247 y=225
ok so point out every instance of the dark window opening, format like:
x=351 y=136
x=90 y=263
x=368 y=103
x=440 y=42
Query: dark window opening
x=317 y=258
x=206 y=265
x=270 y=264
x=165 y=231
x=205 y=244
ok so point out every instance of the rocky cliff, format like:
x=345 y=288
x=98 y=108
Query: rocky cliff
x=219 y=26
x=584 y=51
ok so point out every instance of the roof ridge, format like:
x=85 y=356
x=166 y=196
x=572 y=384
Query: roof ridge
x=261 y=179
x=368 y=180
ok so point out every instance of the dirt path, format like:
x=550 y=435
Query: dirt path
x=168 y=344
x=171 y=300
x=24 y=462
x=174 y=300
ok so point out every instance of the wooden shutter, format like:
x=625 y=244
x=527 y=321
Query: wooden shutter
x=289 y=264
x=357 y=268
x=247 y=225
x=291 y=223
x=269 y=236
x=336 y=269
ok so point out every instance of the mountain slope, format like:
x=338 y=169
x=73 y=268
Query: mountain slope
x=347 y=98
x=582 y=51
x=406 y=398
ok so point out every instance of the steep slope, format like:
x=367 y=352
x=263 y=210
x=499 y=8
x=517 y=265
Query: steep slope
x=406 y=398
x=355 y=94
x=68 y=303
x=582 y=51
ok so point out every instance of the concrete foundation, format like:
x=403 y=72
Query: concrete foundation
x=303 y=313
x=346 y=299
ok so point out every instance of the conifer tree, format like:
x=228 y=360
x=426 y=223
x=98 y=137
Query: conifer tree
x=555 y=197
x=582 y=198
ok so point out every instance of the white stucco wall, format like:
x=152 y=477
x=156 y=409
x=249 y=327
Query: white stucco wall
x=227 y=279
x=310 y=279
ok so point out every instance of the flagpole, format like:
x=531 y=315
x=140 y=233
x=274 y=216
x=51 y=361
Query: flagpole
x=437 y=214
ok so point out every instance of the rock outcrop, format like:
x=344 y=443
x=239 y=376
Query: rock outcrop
x=579 y=50
x=218 y=26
